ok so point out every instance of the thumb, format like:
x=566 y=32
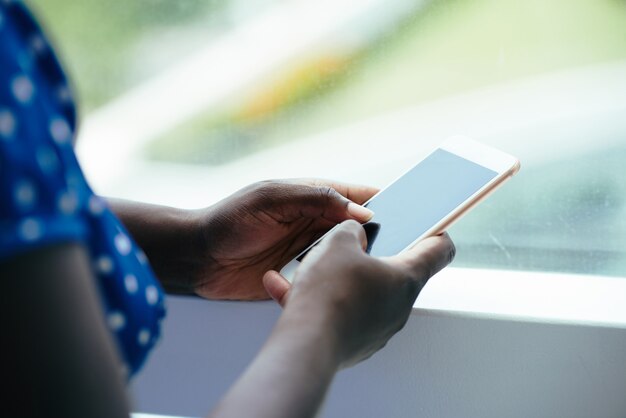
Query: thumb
x=427 y=257
x=276 y=286
x=347 y=233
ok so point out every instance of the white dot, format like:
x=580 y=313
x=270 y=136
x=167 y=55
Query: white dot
x=64 y=94
x=67 y=202
x=141 y=256
x=23 y=89
x=123 y=244
x=116 y=320
x=7 y=124
x=37 y=44
x=47 y=159
x=104 y=264
x=130 y=282
x=30 y=229
x=152 y=295
x=96 y=205
x=25 y=194
x=60 y=131
x=143 y=337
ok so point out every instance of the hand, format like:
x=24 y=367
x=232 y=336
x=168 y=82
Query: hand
x=263 y=226
x=361 y=299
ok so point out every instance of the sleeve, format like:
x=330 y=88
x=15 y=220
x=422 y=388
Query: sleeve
x=40 y=181
x=44 y=197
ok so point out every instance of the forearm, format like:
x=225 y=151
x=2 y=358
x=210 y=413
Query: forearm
x=61 y=360
x=289 y=377
x=168 y=236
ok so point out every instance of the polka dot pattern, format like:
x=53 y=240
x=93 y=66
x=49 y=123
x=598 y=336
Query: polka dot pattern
x=122 y=244
x=60 y=131
x=7 y=124
x=152 y=295
x=25 y=194
x=131 y=284
x=143 y=336
x=47 y=159
x=67 y=202
x=37 y=44
x=96 y=206
x=30 y=229
x=44 y=197
x=104 y=265
x=64 y=94
x=23 y=89
x=116 y=320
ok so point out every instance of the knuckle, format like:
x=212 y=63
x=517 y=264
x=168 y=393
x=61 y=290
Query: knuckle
x=263 y=186
x=342 y=234
x=355 y=229
x=352 y=225
x=272 y=190
x=263 y=183
x=327 y=192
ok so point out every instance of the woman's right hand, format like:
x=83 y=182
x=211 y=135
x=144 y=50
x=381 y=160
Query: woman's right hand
x=362 y=301
x=344 y=306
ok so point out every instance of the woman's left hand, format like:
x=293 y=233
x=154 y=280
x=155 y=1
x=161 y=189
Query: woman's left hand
x=263 y=226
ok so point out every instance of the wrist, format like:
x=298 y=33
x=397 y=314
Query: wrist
x=290 y=375
x=170 y=237
x=315 y=328
x=179 y=256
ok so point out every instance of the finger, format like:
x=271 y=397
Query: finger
x=276 y=286
x=357 y=193
x=316 y=201
x=427 y=257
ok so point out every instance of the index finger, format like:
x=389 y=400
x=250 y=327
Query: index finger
x=358 y=193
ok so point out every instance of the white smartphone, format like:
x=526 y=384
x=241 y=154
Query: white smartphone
x=430 y=196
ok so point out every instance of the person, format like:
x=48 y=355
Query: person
x=81 y=306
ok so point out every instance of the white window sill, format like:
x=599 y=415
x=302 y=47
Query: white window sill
x=527 y=296
x=481 y=343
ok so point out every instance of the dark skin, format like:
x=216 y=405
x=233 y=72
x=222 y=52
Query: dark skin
x=343 y=307
x=344 y=303
x=223 y=251
x=61 y=358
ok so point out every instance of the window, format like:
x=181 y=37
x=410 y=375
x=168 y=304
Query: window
x=191 y=99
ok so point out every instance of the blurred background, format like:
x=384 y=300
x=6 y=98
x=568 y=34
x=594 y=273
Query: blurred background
x=183 y=102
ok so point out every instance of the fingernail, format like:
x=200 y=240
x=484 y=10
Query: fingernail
x=359 y=212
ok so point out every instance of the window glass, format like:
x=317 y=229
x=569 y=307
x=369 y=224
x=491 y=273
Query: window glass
x=210 y=95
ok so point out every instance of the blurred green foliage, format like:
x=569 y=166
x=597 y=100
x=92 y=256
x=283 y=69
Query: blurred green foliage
x=97 y=39
x=446 y=48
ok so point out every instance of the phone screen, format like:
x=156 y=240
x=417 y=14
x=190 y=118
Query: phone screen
x=420 y=199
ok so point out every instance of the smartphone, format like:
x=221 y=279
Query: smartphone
x=430 y=196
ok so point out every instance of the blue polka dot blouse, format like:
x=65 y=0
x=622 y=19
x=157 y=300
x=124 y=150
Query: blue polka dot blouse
x=44 y=197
